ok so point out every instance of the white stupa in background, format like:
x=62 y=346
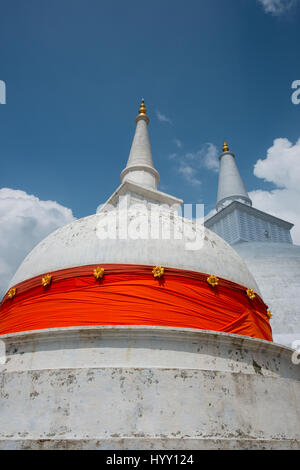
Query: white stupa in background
x=265 y=244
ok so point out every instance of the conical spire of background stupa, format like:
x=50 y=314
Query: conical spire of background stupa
x=231 y=186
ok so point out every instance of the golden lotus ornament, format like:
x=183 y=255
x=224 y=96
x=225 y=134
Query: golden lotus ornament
x=251 y=294
x=12 y=292
x=46 y=280
x=158 y=272
x=213 y=280
x=98 y=272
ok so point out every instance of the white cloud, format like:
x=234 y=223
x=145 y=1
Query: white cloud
x=178 y=143
x=191 y=163
x=277 y=7
x=281 y=167
x=206 y=157
x=282 y=164
x=189 y=173
x=162 y=118
x=210 y=157
x=24 y=221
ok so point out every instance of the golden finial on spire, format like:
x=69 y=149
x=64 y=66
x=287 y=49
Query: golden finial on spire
x=142 y=109
x=225 y=147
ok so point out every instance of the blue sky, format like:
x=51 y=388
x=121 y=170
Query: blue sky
x=75 y=71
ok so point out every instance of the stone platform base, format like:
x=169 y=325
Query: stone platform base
x=147 y=388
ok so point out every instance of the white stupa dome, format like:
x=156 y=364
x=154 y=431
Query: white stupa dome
x=78 y=244
x=139 y=230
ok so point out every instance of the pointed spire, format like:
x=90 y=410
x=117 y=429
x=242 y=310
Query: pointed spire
x=140 y=168
x=231 y=187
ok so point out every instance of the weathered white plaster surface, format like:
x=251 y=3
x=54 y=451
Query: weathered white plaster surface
x=138 y=387
x=276 y=268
